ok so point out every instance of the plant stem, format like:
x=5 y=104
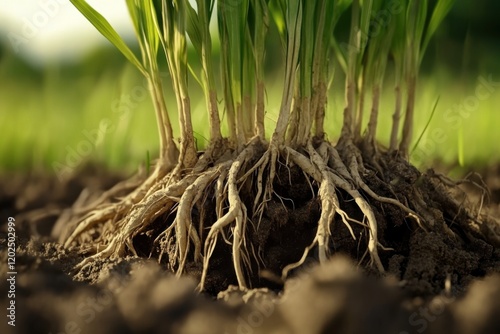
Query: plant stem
x=261 y=19
x=354 y=49
x=350 y=98
x=208 y=73
x=249 y=116
x=260 y=111
x=226 y=84
x=178 y=63
x=361 y=109
x=408 y=122
x=396 y=118
x=320 y=109
x=319 y=73
x=372 y=123
x=294 y=23
x=305 y=122
x=168 y=150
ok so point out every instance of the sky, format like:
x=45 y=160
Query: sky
x=52 y=30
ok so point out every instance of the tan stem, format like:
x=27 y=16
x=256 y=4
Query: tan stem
x=293 y=127
x=188 y=155
x=259 y=111
x=396 y=118
x=213 y=115
x=292 y=56
x=347 y=127
x=231 y=122
x=320 y=106
x=305 y=122
x=372 y=124
x=249 y=116
x=168 y=150
x=408 y=122
x=361 y=109
x=240 y=126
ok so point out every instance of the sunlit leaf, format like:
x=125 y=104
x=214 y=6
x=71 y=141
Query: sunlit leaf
x=441 y=9
x=103 y=26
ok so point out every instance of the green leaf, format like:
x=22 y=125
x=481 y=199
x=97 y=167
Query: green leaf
x=399 y=40
x=103 y=26
x=442 y=8
x=340 y=7
x=379 y=47
x=307 y=47
x=426 y=125
x=324 y=32
x=193 y=28
x=340 y=51
x=364 y=26
x=416 y=14
x=421 y=20
x=261 y=17
x=234 y=21
x=340 y=54
x=149 y=22
x=415 y=17
x=277 y=8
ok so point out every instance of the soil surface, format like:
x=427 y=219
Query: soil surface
x=436 y=282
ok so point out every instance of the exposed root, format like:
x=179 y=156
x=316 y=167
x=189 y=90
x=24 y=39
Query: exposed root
x=237 y=213
x=239 y=187
x=361 y=184
x=328 y=180
x=183 y=222
x=103 y=209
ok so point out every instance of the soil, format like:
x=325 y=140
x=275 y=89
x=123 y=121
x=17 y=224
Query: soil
x=442 y=281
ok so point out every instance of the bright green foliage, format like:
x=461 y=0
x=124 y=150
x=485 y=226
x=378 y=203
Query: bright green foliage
x=399 y=38
x=103 y=26
x=232 y=33
x=379 y=46
x=419 y=30
x=306 y=29
x=441 y=9
x=426 y=126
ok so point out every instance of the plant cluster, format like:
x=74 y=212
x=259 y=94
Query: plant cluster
x=247 y=157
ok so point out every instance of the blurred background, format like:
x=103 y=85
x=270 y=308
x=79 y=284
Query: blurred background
x=67 y=97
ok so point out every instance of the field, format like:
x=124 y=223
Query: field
x=109 y=108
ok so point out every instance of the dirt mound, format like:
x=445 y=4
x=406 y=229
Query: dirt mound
x=451 y=247
x=135 y=295
x=444 y=280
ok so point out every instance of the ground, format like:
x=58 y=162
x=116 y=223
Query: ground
x=435 y=281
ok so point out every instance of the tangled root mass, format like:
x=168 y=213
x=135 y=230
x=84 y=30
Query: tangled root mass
x=250 y=217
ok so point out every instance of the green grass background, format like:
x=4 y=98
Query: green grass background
x=44 y=120
x=45 y=113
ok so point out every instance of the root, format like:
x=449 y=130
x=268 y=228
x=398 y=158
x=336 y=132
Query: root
x=183 y=221
x=328 y=169
x=237 y=213
x=120 y=187
x=102 y=210
x=316 y=167
x=361 y=184
x=329 y=205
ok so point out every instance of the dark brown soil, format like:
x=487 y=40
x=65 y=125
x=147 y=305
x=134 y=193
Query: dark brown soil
x=437 y=281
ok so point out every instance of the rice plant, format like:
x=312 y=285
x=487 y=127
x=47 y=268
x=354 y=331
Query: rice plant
x=235 y=175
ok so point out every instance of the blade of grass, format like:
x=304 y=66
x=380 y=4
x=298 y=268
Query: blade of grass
x=103 y=26
x=442 y=9
x=426 y=126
